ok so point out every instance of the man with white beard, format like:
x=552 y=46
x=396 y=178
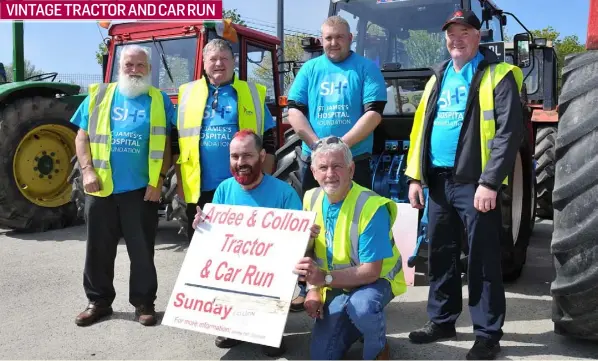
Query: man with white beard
x=123 y=148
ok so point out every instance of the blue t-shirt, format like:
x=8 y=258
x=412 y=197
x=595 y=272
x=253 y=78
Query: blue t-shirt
x=270 y=193
x=335 y=94
x=451 y=111
x=130 y=128
x=374 y=242
x=217 y=129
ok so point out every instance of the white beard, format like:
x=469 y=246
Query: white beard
x=132 y=86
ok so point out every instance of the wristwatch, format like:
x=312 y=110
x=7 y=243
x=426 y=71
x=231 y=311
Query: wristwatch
x=328 y=279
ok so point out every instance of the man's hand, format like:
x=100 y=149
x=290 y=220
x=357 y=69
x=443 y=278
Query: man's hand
x=314 y=231
x=416 y=195
x=313 y=304
x=484 y=199
x=200 y=216
x=152 y=194
x=91 y=182
x=308 y=271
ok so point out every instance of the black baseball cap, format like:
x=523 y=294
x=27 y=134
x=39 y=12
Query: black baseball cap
x=463 y=17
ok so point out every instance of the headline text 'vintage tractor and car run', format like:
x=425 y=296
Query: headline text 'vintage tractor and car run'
x=554 y=173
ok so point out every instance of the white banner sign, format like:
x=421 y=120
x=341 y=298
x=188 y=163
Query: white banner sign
x=237 y=278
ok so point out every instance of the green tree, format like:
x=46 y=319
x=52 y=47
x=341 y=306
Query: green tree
x=569 y=44
x=233 y=15
x=424 y=48
x=30 y=70
x=102 y=49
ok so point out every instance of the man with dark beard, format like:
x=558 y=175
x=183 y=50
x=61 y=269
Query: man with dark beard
x=123 y=149
x=249 y=186
x=210 y=111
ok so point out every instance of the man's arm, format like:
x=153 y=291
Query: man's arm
x=509 y=133
x=366 y=124
x=298 y=120
x=299 y=105
x=374 y=100
x=167 y=158
x=374 y=246
x=83 y=150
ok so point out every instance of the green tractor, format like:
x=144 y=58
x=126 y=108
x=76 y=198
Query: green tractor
x=37 y=143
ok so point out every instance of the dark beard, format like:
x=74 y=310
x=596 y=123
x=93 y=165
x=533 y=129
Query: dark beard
x=248 y=178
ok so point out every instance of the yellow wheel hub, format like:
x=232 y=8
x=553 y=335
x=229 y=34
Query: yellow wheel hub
x=42 y=164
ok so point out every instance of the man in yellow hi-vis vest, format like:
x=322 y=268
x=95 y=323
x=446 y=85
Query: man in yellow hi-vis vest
x=123 y=148
x=466 y=134
x=210 y=111
x=356 y=268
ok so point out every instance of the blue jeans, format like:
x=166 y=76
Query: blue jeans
x=348 y=316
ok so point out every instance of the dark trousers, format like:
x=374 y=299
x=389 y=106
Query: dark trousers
x=205 y=197
x=451 y=206
x=108 y=219
x=362 y=175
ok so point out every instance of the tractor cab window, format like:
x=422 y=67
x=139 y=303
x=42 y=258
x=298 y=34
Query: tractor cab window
x=403 y=34
x=494 y=24
x=259 y=69
x=172 y=61
x=532 y=72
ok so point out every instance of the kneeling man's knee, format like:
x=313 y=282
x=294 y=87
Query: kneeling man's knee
x=362 y=307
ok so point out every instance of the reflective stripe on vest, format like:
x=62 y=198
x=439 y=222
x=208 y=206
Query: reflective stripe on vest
x=492 y=76
x=99 y=132
x=354 y=235
x=251 y=100
x=360 y=204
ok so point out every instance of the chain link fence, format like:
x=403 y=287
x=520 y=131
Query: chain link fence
x=83 y=80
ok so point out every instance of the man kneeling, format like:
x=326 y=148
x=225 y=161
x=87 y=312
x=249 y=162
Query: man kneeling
x=356 y=269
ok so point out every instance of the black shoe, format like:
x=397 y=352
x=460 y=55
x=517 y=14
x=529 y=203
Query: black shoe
x=274 y=351
x=297 y=304
x=223 y=342
x=483 y=349
x=432 y=332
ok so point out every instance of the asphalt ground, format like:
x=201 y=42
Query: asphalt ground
x=41 y=294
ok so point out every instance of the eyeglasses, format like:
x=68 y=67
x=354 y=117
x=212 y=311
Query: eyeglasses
x=215 y=101
x=329 y=140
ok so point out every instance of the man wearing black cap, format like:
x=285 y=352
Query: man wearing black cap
x=465 y=137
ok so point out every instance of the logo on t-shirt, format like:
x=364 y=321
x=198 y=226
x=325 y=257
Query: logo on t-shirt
x=334 y=87
x=121 y=114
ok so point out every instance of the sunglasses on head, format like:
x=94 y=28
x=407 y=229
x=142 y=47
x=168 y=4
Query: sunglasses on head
x=329 y=140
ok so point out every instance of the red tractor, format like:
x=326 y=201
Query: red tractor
x=176 y=58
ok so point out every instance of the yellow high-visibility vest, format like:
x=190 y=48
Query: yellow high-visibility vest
x=356 y=212
x=100 y=135
x=492 y=76
x=193 y=96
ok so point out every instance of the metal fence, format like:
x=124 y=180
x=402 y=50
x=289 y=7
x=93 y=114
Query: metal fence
x=83 y=80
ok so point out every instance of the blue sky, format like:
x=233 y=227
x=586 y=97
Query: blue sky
x=70 y=47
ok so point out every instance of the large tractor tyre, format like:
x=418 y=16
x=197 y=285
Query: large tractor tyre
x=544 y=155
x=37 y=142
x=516 y=204
x=289 y=163
x=575 y=201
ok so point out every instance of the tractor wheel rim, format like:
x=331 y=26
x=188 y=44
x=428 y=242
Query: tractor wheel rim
x=517 y=198
x=42 y=164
